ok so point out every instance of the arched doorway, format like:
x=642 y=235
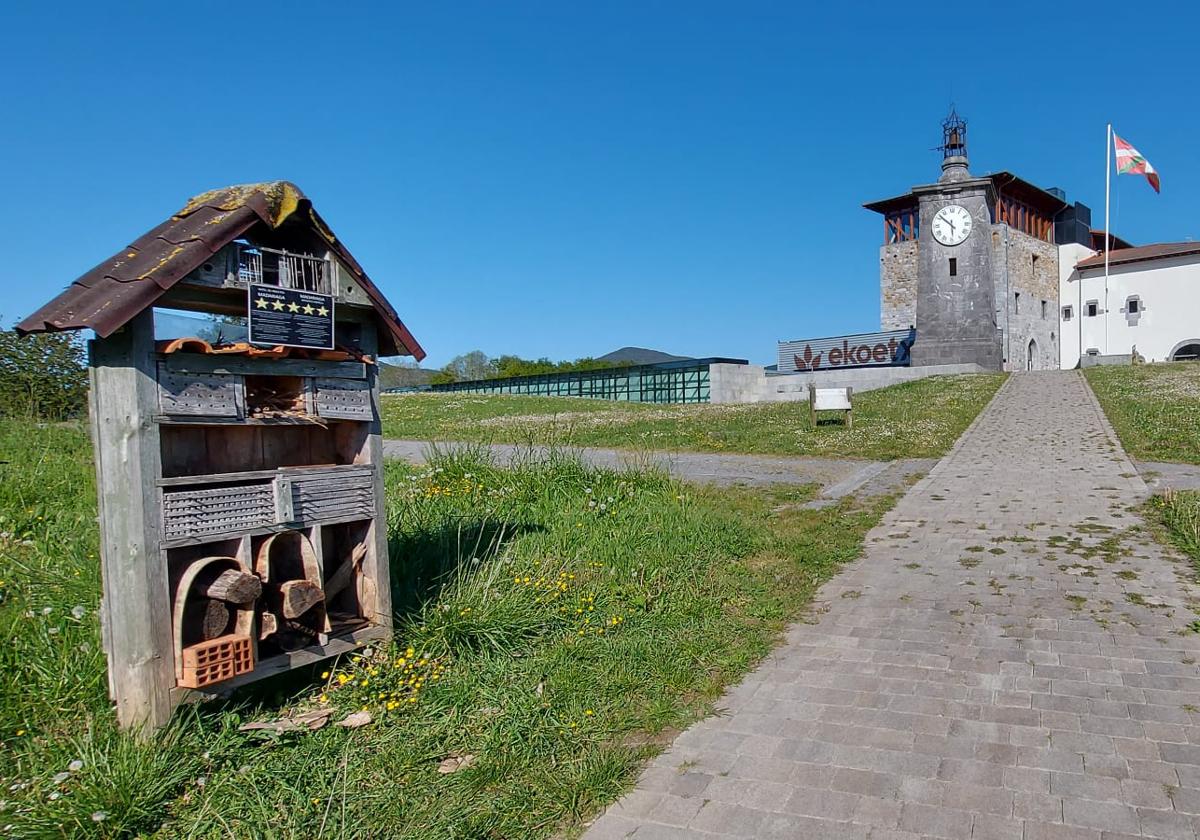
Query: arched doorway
x=1186 y=351
x=1031 y=356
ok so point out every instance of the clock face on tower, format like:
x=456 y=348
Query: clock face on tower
x=952 y=224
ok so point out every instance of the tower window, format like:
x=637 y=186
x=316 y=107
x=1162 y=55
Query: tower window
x=1043 y=304
x=1133 y=306
x=1017 y=302
x=953 y=267
x=1033 y=261
x=1093 y=308
x=1067 y=313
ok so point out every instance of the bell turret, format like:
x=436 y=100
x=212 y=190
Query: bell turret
x=954 y=147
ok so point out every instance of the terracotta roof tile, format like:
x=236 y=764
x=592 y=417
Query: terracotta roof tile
x=1120 y=256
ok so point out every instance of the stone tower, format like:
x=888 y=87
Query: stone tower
x=956 y=294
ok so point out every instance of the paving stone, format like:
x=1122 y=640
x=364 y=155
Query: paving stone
x=969 y=699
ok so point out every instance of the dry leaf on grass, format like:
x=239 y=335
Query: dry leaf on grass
x=355 y=720
x=304 y=721
x=456 y=762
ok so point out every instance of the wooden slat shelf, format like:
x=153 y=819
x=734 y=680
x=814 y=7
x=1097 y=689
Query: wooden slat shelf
x=264 y=530
x=232 y=364
x=299 y=420
x=252 y=475
x=337 y=644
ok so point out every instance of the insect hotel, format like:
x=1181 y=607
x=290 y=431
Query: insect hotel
x=240 y=479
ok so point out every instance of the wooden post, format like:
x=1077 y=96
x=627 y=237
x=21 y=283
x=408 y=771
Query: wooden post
x=850 y=410
x=376 y=575
x=135 y=612
x=812 y=405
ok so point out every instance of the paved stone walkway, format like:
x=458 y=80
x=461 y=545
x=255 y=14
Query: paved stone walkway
x=1011 y=658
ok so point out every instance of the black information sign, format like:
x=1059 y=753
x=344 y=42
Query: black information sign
x=290 y=317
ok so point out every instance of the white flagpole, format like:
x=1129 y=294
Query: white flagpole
x=1107 y=236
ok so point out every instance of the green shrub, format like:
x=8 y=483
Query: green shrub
x=42 y=376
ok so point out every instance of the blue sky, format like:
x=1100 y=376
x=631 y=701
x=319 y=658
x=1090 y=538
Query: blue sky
x=563 y=179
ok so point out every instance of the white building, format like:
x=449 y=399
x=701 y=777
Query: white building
x=1152 y=302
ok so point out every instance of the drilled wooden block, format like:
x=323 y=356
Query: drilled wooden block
x=216 y=660
x=198 y=394
x=343 y=399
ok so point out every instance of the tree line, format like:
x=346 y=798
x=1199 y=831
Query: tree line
x=478 y=365
x=42 y=376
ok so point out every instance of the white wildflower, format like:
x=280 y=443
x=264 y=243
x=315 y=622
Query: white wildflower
x=99 y=816
x=78 y=612
x=75 y=766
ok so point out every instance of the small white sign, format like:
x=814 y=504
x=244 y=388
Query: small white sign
x=831 y=399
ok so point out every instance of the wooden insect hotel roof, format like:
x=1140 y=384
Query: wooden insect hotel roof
x=111 y=294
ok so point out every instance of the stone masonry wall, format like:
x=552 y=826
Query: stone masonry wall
x=1030 y=270
x=898 y=285
x=751 y=383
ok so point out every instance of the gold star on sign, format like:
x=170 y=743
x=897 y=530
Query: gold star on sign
x=293 y=307
x=277 y=305
x=308 y=310
x=322 y=311
x=260 y=303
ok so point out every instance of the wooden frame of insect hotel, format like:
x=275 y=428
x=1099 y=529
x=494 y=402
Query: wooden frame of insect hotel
x=239 y=475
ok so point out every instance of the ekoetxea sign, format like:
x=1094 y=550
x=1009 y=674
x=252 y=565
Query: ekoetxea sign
x=881 y=349
x=290 y=317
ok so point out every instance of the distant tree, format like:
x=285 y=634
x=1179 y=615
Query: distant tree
x=405 y=374
x=476 y=365
x=473 y=365
x=42 y=376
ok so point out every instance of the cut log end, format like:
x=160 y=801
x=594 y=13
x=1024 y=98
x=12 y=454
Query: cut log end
x=234 y=586
x=297 y=597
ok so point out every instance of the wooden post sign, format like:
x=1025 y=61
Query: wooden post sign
x=241 y=500
x=830 y=399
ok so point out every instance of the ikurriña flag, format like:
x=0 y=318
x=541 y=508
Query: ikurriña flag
x=1132 y=162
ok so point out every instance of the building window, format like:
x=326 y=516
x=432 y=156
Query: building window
x=953 y=267
x=1067 y=313
x=1043 y=310
x=1033 y=262
x=1133 y=310
x=1017 y=302
x=1093 y=308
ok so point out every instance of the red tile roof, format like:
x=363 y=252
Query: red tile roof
x=1120 y=256
x=111 y=294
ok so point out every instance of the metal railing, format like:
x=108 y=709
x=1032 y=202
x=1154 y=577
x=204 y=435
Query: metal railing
x=684 y=381
x=272 y=267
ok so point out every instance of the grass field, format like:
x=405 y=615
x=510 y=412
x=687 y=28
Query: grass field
x=1179 y=512
x=556 y=624
x=1155 y=409
x=914 y=420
